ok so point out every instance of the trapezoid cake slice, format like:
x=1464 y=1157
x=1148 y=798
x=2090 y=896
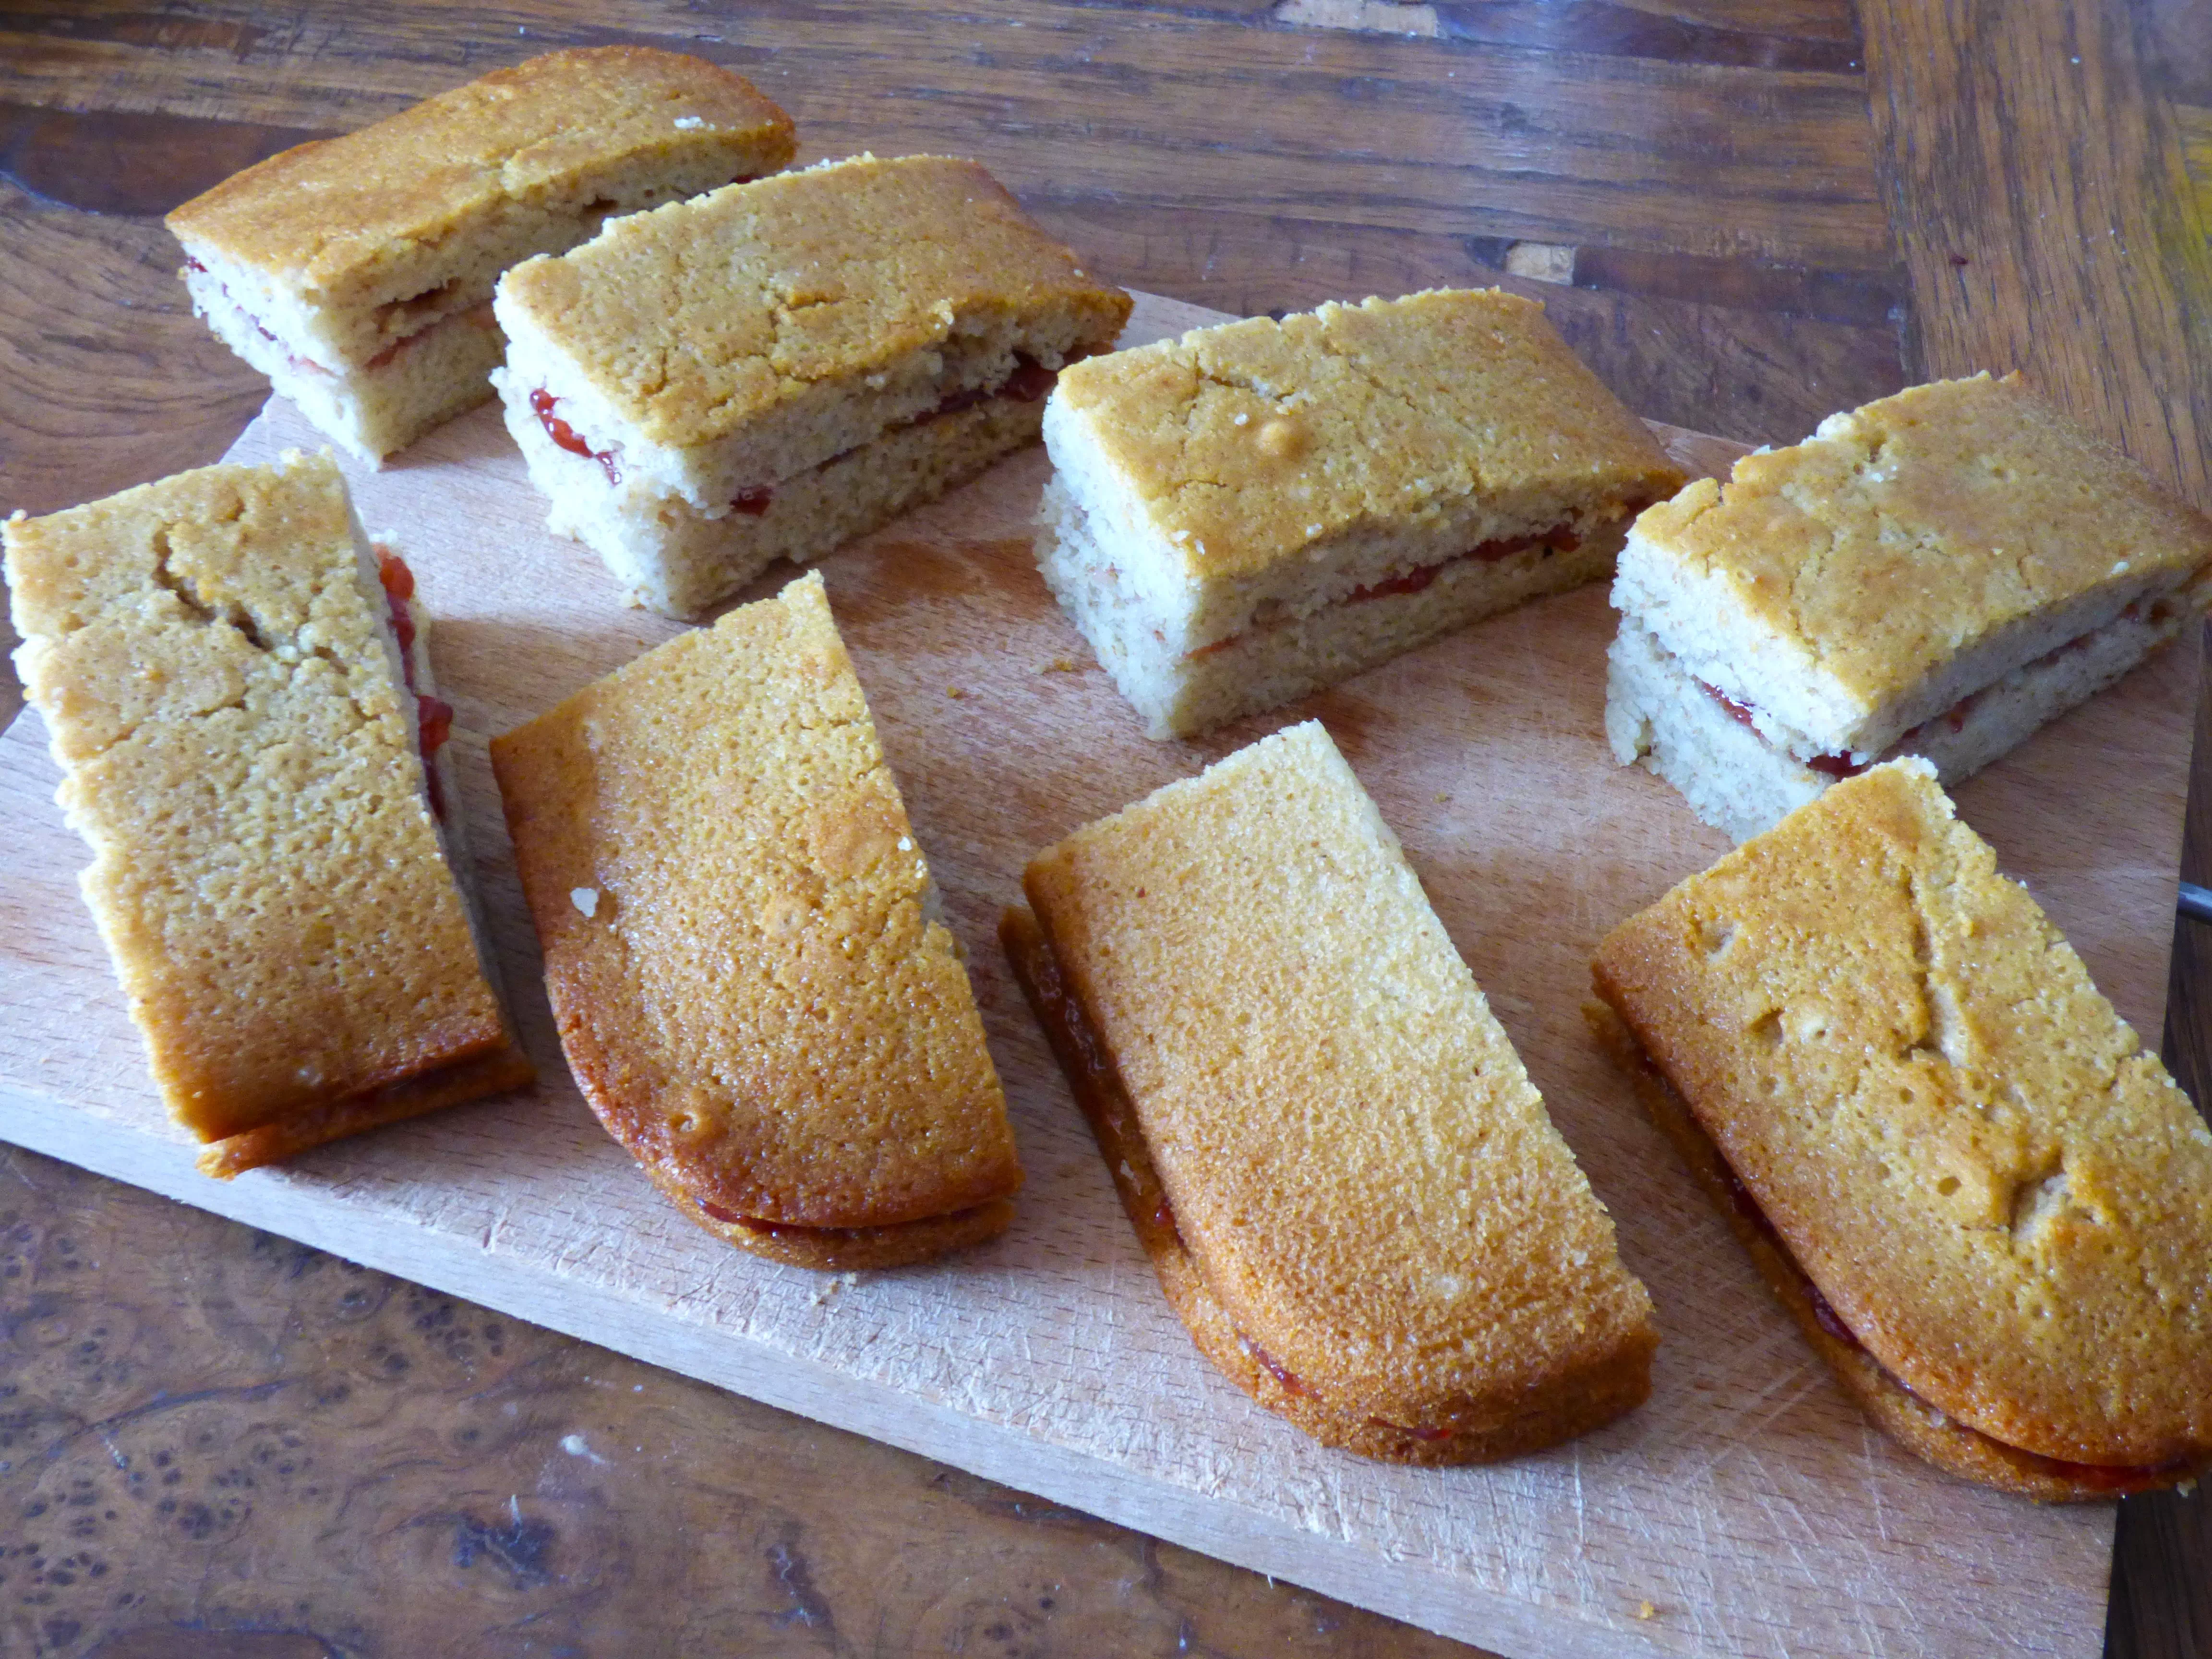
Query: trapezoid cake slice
x=1987 y=1204
x=776 y=368
x=1937 y=574
x=741 y=945
x=1349 y=1189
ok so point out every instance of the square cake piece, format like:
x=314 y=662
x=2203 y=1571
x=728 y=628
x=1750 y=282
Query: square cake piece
x=780 y=366
x=1255 y=511
x=1348 y=1186
x=744 y=952
x=1937 y=574
x=238 y=698
x=1984 y=1203
x=357 y=272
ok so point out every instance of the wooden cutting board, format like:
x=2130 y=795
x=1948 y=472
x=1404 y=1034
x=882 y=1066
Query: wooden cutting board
x=1748 y=1509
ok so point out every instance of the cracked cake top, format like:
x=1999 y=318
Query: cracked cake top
x=1998 y=1189
x=213 y=661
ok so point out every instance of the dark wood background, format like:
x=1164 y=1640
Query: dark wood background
x=1744 y=215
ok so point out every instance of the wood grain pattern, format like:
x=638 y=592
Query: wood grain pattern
x=1051 y=1359
x=1116 y=104
x=2042 y=209
x=387 y=1470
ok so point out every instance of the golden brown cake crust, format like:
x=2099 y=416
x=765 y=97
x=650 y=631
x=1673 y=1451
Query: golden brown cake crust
x=493 y=1072
x=1999 y=1192
x=1924 y=1430
x=695 y=319
x=1579 y=1405
x=1340 y=1124
x=1916 y=524
x=212 y=657
x=1250 y=441
x=848 y=1249
x=750 y=992
x=324 y=214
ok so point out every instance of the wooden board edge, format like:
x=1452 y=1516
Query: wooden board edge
x=1409 y=1592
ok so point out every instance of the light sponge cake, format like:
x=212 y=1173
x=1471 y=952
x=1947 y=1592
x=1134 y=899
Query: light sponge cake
x=750 y=982
x=225 y=685
x=1937 y=574
x=1988 y=1204
x=780 y=366
x=1252 y=512
x=1349 y=1187
x=357 y=272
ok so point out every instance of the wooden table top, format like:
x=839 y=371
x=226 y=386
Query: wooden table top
x=1743 y=215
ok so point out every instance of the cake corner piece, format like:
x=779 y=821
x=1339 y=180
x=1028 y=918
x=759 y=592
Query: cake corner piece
x=832 y=1103
x=1296 y=1277
x=1985 y=1203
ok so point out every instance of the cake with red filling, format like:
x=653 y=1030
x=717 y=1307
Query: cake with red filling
x=235 y=683
x=776 y=369
x=744 y=952
x=1938 y=574
x=1347 y=1185
x=357 y=272
x=1986 y=1204
x=1255 y=511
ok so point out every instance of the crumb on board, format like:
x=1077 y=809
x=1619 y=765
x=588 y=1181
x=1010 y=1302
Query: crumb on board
x=1646 y=1610
x=954 y=691
x=1058 y=665
x=1441 y=798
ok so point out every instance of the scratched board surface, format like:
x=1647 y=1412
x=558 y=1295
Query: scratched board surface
x=1746 y=1509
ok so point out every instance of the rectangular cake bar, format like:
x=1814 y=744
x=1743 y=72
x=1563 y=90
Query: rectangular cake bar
x=357 y=272
x=776 y=369
x=1254 y=511
x=1937 y=574
x=236 y=693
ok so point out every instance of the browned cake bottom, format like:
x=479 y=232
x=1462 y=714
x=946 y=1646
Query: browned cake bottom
x=488 y=1073
x=1926 y=1431
x=845 y=1249
x=1113 y=1118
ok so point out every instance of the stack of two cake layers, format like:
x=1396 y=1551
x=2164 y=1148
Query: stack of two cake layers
x=775 y=368
x=357 y=272
x=1938 y=574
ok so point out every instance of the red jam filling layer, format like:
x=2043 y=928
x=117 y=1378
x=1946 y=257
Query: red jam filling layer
x=2104 y=1477
x=1030 y=381
x=1267 y=1363
x=1558 y=539
x=767 y=1229
x=564 y=435
x=1833 y=766
x=433 y=716
x=480 y=316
